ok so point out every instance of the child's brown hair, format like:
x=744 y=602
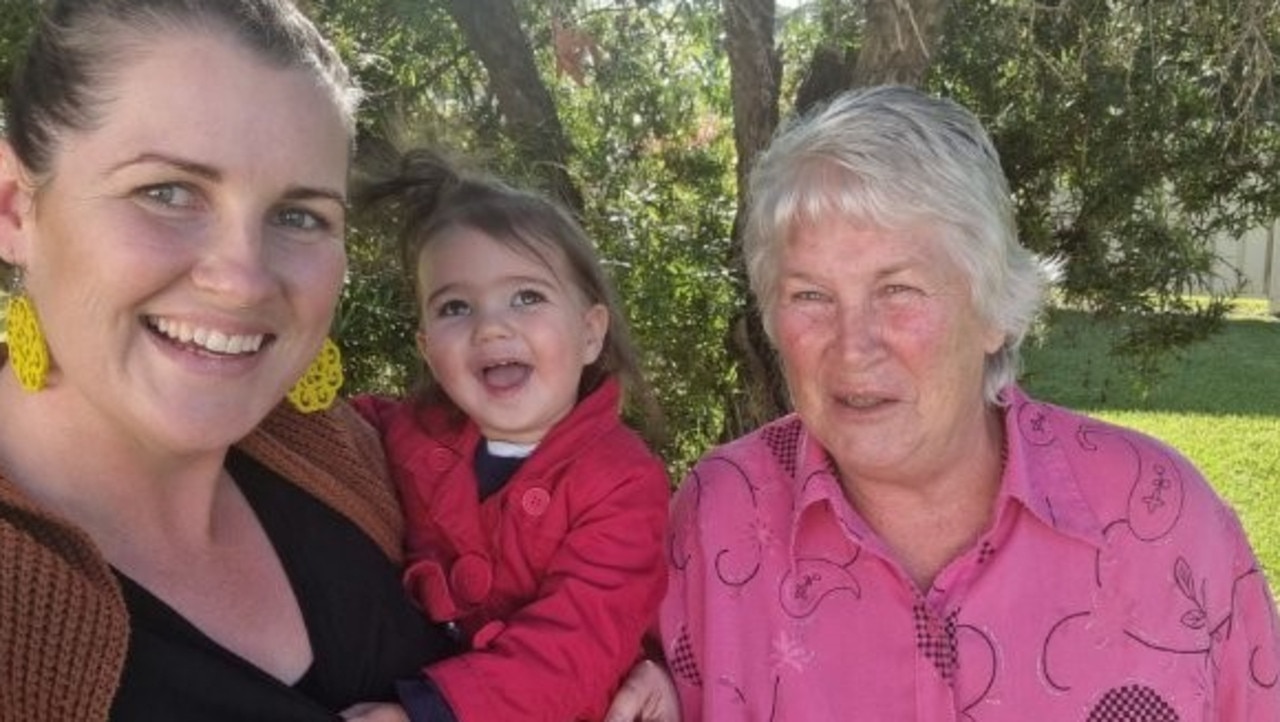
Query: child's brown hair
x=431 y=196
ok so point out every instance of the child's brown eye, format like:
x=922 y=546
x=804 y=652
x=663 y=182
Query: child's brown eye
x=527 y=297
x=453 y=308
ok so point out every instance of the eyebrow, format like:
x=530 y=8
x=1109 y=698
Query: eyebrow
x=210 y=173
x=443 y=290
x=898 y=267
x=895 y=268
x=517 y=280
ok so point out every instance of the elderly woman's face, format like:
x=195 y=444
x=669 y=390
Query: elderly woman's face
x=185 y=255
x=882 y=348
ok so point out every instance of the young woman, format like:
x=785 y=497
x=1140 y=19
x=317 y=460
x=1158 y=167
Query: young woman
x=178 y=543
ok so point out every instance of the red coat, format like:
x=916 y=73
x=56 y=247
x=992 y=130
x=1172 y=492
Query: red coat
x=554 y=578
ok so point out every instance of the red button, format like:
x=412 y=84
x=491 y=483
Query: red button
x=535 y=501
x=471 y=578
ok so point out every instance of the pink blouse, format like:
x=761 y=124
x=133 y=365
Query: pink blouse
x=1113 y=585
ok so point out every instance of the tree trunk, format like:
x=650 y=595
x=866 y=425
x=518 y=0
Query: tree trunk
x=493 y=32
x=900 y=39
x=755 y=84
x=756 y=77
x=830 y=72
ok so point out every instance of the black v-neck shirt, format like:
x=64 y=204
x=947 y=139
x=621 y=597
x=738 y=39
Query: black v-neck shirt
x=364 y=632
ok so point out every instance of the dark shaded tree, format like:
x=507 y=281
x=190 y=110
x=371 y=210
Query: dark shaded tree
x=493 y=31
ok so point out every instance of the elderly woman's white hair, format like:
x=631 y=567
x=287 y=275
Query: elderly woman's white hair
x=893 y=157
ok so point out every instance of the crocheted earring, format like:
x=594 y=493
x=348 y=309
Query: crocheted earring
x=28 y=352
x=319 y=385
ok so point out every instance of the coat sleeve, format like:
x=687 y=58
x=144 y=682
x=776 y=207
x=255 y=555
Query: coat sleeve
x=562 y=655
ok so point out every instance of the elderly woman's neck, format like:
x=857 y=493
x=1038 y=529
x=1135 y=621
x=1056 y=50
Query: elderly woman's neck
x=929 y=518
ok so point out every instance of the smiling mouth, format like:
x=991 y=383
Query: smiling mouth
x=863 y=402
x=506 y=375
x=205 y=339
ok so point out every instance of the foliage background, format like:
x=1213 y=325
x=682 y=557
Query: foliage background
x=1131 y=130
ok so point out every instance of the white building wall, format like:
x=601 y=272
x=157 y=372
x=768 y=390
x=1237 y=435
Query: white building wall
x=1255 y=260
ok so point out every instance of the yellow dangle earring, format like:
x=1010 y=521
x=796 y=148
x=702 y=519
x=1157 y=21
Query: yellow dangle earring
x=28 y=352
x=319 y=385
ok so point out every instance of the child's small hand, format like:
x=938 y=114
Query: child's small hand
x=647 y=695
x=375 y=712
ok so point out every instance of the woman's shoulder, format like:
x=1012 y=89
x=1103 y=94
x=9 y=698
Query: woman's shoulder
x=773 y=447
x=767 y=457
x=1120 y=472
x=1094 y=446
x=337 y=457
x=62 y=616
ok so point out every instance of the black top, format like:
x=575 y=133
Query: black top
x=365 y=634
x=492 y=471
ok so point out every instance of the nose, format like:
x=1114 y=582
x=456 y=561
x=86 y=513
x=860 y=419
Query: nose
x=860 y=331
x=233 y=265
x=491 y=324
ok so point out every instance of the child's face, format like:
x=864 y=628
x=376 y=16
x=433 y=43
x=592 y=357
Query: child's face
x=504 y=334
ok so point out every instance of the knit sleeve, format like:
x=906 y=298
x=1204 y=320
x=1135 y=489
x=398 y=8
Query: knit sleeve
x=63 y=625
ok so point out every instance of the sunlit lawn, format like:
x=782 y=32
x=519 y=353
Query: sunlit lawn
x=1220 y=406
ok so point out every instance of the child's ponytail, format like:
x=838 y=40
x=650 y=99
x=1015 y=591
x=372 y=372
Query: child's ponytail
x=411 y=189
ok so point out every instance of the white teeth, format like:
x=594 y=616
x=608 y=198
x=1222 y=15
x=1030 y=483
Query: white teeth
x=217 y=342
x=176 y=331
x=861 y=402
x=209 y=339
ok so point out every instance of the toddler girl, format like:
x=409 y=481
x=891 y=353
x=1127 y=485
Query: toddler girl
x=535 y=516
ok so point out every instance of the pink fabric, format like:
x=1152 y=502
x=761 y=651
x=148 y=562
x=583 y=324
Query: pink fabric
x=554 y=578
x=1113 y=584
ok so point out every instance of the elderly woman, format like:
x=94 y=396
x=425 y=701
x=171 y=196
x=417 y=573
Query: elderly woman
x=921 y=540
x=178 y=542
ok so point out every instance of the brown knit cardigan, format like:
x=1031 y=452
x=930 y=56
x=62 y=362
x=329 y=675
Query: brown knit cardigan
x=63 y=624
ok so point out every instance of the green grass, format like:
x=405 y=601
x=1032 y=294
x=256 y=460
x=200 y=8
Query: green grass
x=1219 y=405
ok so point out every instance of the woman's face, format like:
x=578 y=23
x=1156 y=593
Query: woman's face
x=882 y=348
x=185 y=254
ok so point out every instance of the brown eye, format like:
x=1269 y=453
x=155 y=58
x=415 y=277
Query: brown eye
x=453 y=308
x=527 y=297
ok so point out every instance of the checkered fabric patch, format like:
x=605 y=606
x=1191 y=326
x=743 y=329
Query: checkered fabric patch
x=784 y=442
x=682 y=662
x=936 y=640
x=1132 y=703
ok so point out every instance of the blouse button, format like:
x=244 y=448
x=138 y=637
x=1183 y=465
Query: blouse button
x=535 y=501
